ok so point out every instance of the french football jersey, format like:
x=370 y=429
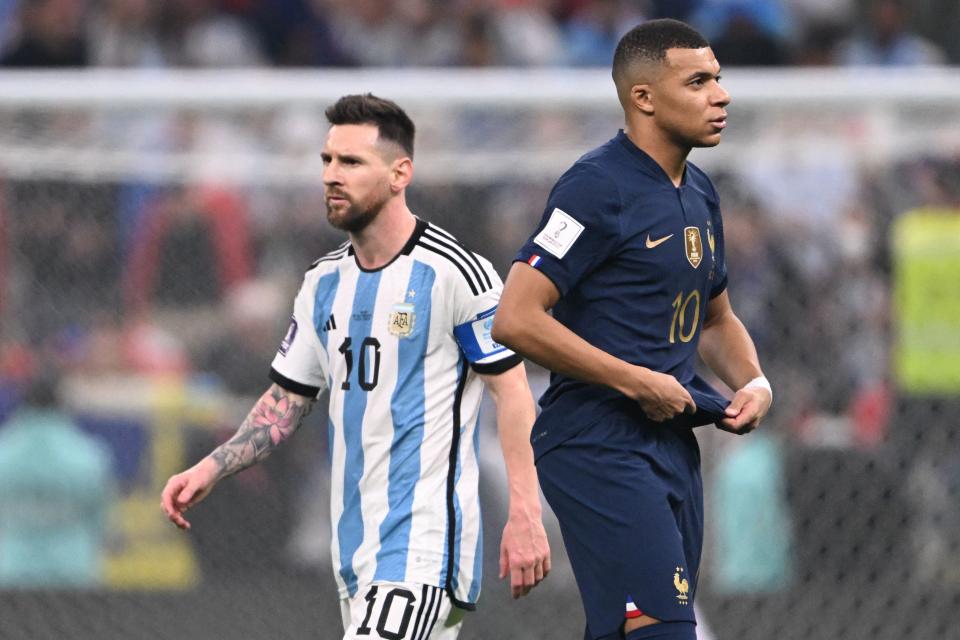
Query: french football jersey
x=399 y=349
x=636 y=261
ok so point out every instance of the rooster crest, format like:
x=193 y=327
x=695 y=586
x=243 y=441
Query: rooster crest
x=682 y=586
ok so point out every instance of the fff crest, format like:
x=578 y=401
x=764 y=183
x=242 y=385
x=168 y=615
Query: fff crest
x=693 y=245
x=401 y=319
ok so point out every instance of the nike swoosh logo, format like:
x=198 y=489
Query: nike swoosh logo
x=656 y=243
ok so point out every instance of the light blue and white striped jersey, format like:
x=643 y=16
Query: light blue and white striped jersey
x=399 y=349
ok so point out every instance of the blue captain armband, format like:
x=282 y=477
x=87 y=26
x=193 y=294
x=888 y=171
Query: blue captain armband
x=475 y=339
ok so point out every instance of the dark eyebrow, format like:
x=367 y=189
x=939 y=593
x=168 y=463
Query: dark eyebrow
x=342 y=156
x=702 y=75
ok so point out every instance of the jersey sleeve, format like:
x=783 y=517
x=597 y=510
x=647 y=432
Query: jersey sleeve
x=720 y=259
x=473 y=320
x=299 y=365
x=579 y=230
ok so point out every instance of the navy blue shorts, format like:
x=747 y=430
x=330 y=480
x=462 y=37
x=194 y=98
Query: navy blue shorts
x=629 y=498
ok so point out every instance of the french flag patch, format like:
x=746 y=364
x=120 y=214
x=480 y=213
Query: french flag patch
x=632 y=611
x=534 y=260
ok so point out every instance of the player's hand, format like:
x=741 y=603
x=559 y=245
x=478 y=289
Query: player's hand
x=185 y=490
x=524 y=551
x=746 y=410
x=661 y=397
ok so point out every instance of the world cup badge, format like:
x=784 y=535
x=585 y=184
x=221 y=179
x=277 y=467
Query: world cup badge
x=693 y=245
x=400 y=322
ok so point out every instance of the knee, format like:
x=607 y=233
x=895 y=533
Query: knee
x=652 y=629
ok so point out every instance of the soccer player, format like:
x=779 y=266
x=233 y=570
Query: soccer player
x=629 y=256
x=395 y=324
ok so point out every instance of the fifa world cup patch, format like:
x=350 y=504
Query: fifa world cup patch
x=401 y=320
x=559 y=234
x=288 y=339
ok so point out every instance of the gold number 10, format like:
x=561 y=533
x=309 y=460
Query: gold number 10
x=679 y=316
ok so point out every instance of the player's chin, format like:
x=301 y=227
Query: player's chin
x=708 y=140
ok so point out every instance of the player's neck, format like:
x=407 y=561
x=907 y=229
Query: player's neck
x=383 y=238
x=665 y=152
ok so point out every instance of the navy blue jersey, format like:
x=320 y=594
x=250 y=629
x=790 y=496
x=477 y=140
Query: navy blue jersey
x=636 y=261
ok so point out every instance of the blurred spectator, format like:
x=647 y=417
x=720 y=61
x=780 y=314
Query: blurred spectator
x=592 y=32
x=476 y=34
x=526 y=34
x=676 y=9
x=297 y=32
x=369 y=32
x=195 y=33
x=714 y=17
x=65 y=241
x=123 y=33
x=253 y=319
x=191 y=248
x=754 y=531
x=50 y=35
x=886 y=39
x=55 y=488
x=744 y=42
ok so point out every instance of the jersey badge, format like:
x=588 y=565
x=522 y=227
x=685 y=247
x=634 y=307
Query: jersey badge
x=559 y=234
x=288 y=339
x=401 y=319
x=693 y=245
x=681 y=585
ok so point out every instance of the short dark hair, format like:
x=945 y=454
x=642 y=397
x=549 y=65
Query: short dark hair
x=649 y=42
x=392 y=122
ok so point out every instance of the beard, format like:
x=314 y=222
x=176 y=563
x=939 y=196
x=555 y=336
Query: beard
x=354 y=218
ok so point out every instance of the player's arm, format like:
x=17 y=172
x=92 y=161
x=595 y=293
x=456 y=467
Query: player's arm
x=274 y=418
x=524 y=324
x=524 y=550
x=726 y=347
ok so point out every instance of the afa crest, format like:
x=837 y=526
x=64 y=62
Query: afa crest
x=401 y=320
x=693 y=245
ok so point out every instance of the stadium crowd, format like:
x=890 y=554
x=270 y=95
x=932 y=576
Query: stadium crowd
x=397 y=33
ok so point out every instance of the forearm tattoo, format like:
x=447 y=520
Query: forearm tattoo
x=272 y=420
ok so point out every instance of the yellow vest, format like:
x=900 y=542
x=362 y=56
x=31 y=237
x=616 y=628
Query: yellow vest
x=926 y=301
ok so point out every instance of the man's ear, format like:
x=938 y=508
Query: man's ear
x=401 y=173
x=641 y=98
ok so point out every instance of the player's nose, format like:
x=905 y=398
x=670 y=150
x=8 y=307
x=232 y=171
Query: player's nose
x=721 y=97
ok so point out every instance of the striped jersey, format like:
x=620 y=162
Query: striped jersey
x=399 y=349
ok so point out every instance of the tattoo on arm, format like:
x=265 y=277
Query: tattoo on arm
x=272 y=420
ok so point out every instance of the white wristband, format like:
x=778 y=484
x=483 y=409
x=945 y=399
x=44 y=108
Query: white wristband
x=762 y=383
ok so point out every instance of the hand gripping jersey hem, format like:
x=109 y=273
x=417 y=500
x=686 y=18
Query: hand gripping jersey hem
x=497 y=367
x=292 y=385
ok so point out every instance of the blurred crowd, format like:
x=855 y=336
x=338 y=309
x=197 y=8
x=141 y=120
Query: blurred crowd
x=472 y=33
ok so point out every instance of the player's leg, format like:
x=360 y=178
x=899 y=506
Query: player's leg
x=400 y=611
x=615 y=492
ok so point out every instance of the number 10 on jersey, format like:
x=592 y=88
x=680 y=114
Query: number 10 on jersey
x=368 y=364
x=677 y=324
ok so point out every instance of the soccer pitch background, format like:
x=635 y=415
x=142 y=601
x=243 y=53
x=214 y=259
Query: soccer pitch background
x=840 y=191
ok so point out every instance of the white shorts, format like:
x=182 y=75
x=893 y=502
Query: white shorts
x=400 y=611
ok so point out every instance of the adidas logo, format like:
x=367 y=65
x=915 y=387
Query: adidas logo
x=331 y=323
